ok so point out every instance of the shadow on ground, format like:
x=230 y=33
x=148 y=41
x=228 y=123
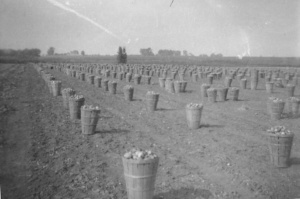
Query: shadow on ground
x=205 y=125
x=188 y=91
x=112 y=131
x=241 y=100
x=105 y=117
x=165 y=109
x=295 y=161
x=289 y=116
x=137 y=100
x=185 y=193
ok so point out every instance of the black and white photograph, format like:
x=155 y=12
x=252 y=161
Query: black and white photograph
x=149 y=99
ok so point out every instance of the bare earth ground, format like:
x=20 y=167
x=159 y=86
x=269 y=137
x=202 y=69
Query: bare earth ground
x=44 y=155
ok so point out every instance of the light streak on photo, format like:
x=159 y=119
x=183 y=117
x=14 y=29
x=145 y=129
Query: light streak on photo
x=62 y=6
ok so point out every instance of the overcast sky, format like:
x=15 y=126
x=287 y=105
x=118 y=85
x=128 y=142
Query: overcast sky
x=230 y=27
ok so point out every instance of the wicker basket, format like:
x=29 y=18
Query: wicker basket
x=276 y=109
x=89 y=119
x=290 y=90
x=112 y=87
x=280 y=147
x=151 y=102
x=66 y=94
x=128 y=93
x=56 y=88
x=140 y=176
x=193 y=116
x=269 y=87
x=243 y=83
x=74 y=108
x=212 y=95
x=222 y=94
x=228 y=81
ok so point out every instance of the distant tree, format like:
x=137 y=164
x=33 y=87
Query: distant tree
x=51 y=51
x=168 y=53
x=146 y=52
x=122 y=55
x=203 y=56
x=213 y=55
x=30 y=52
x=219 y=55
x=177 y=53
x=185 y=53
x=74 y=52
x=82 y=53
x=119 y=56
x=34 y=52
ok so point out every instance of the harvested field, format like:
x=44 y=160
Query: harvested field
x=45 y=155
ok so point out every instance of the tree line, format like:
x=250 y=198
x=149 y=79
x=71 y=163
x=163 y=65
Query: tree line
x=175 y=53
x=149 y=52
x=121 y=54
x=51 y=51
x=34 y=52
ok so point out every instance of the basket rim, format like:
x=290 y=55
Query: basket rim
x=141 y=161
x=194 y=108
x=276 y=135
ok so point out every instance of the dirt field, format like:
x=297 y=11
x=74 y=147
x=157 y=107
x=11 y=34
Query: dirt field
x=44 y=155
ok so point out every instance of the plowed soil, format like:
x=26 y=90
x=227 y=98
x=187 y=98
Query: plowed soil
x=44 y=155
